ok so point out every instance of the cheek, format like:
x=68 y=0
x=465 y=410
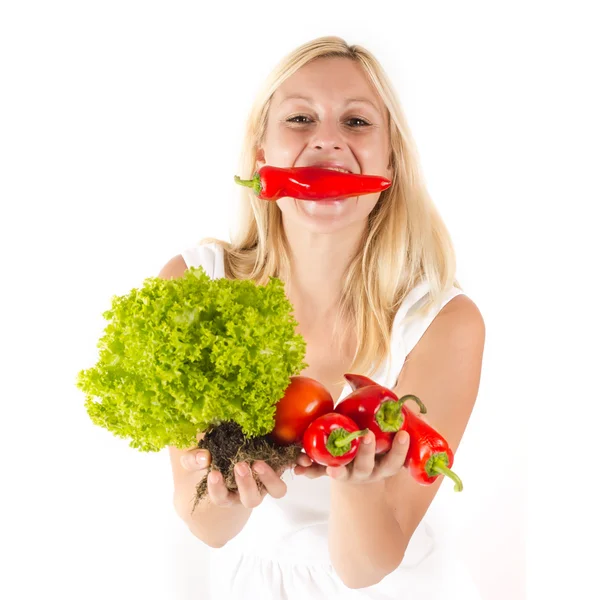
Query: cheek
x=366 y=204
x=282 y=147
x=373 y=156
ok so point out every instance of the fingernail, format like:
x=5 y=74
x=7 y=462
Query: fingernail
x=213 y=477
x=368 y=439
x=202 y=459
x=241 y=469
x=403 y=438
x=259 y=468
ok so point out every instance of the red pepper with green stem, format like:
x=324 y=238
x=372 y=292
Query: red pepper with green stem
x=311 y=183
x=429 y=455
x=377 y=408
x=332 y=440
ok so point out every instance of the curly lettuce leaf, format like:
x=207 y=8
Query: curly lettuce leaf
x=180 y=355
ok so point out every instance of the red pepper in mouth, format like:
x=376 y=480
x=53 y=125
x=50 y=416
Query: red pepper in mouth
x=332 y=440
x=429 y=454
x=311 y=183
x=377 y=408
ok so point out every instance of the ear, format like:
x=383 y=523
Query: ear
x=390 y=168
x=260 y=158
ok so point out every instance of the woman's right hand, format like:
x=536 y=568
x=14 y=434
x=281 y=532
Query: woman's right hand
x=198 y=461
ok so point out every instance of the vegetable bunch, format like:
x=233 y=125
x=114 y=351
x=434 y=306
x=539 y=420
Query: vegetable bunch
x=182 y=355
x=331 y=436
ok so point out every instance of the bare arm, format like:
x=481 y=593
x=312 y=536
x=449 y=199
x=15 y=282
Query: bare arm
x=214 y=524
x=373 y=519
x=221 y=514
x=365 y=539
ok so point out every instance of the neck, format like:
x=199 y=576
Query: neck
x=318 y=265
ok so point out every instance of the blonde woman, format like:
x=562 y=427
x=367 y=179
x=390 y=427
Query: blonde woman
x=372 y=282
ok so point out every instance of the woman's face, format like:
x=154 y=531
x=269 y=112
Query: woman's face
x=327 y=114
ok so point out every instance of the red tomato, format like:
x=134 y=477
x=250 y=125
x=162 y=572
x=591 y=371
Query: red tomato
x=304 y=400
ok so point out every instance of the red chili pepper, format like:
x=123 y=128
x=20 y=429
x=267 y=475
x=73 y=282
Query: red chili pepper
x=311 y=183
x=332 y=440
x=429 y=454
x=377 y=408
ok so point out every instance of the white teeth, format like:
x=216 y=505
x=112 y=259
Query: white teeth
x=337 y=169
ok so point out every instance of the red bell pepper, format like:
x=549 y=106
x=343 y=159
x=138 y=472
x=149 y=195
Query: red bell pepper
x=429 y=454
x=311 y=183
x=332 y=440
x=377 y=408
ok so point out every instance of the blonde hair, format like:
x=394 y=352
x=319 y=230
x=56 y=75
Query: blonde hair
x=405 y=241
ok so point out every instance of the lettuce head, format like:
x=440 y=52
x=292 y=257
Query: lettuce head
x=181 y=355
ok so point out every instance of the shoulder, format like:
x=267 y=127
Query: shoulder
x=456 y=333
x=462 y=312
x=450 y=352
x=174 y=268
x=209 y=256
x=459 y=321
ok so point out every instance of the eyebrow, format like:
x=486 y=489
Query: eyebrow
x=348 y=100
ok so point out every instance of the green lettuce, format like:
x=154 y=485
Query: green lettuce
x=180 y=355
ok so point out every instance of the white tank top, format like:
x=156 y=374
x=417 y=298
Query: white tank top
x=282 y=552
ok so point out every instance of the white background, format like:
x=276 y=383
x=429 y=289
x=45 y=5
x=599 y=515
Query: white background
x=120 y=131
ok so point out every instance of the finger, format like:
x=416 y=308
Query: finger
x=217 y=490
x=364 y=461
x=338 y=473
x=196 y=460
x=275 y=486
x=312 y=472
x=304 y=460
x=394 y=460
x=248 y=490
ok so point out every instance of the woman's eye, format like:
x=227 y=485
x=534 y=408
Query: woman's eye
x=294 y=119
x=354 y=122
x=358 y=122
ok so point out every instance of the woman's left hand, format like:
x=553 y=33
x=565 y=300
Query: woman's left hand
x=366 y=466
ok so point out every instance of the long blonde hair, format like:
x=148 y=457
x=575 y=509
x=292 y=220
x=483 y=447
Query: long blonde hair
x=405 y=241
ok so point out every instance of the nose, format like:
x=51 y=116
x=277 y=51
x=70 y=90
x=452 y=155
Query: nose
x=327 y=136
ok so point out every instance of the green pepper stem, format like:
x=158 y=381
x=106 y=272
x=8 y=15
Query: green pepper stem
x=438 y=466
x=253 y=183
x=389 y=416
x=339 y=442
x=422 y=408
x=246 y=182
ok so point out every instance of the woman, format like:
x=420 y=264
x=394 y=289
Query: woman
x=372 y=283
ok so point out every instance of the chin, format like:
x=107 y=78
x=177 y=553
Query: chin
x=322 y=226
x=328 y=216
x=323 y=222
